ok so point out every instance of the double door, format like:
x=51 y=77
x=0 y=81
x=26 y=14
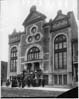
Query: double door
x=33 y=66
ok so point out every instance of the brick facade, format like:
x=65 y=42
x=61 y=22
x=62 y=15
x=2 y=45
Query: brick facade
x=61 y=25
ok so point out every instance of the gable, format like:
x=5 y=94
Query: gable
x=33 y=15
x=59 y=16
x=60 y=21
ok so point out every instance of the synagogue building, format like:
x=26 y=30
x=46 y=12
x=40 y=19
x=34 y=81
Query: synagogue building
x=50 y=46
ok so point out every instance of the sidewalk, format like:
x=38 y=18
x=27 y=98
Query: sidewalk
x=41 y=88
x=47 y=89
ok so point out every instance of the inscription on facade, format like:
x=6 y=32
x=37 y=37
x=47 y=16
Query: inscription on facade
x=60 y=24
x=14 y=39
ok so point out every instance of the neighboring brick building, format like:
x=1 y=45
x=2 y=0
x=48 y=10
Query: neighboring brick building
x=4 y=71
x=51 y=46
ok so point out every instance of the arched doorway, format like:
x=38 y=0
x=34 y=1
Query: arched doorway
x=33 y=59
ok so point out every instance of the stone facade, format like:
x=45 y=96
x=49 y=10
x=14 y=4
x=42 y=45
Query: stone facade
x=40 y=35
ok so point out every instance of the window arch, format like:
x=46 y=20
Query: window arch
x=13 y=59
x=33 y=54
x=60 y=52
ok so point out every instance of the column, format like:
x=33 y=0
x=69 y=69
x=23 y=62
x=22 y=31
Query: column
x=57 y=79
x=41 y=66
x=50 y=65
x=19 y=59
x=50 y=77
x=8 y=66
x=32 y=66
x=25 y=67
x=74 y=73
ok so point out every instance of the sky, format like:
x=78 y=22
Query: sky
x=14 y=12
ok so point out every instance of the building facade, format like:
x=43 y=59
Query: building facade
x=50 y=46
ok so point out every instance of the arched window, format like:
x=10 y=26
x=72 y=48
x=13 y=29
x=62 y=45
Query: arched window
x=13 y=59
x=33 y=54
x=60 y=52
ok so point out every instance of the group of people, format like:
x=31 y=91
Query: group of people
x=33 y=82
x=28 y=80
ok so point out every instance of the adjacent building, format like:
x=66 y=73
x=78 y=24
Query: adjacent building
x=51 y=46
x=4 y=66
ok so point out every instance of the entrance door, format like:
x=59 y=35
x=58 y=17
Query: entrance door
x=29 y=66
x=75 y=72
x=46 y=79
x=36 y=66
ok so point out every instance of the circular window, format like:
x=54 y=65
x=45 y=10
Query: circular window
x=37 y=36
x=33 y=30
x=30 y=39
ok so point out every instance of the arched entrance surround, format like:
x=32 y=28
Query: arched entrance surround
x=34 y=58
